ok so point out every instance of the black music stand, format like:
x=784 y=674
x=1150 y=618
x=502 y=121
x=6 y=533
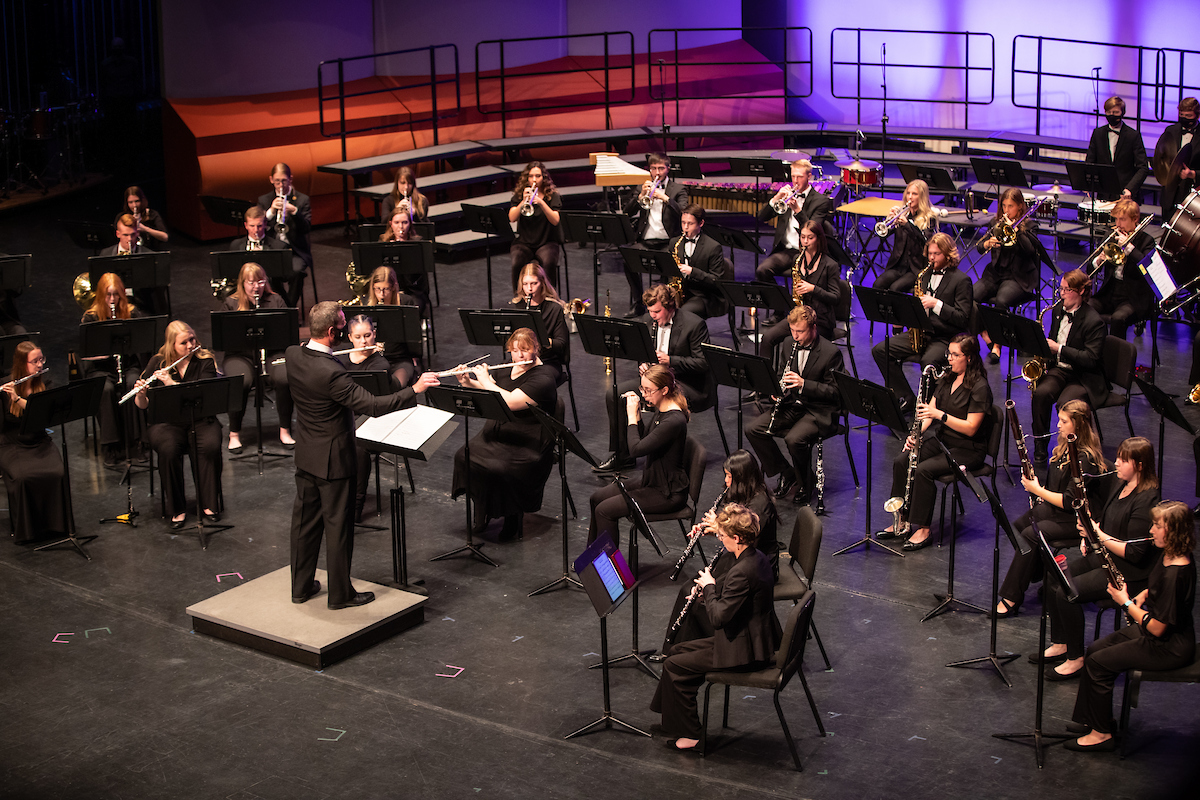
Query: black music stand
x=58 y=406
x=734 y=239
x=999 y=172
x=937 y=178
x=493 y=223
x=147 y=273
x=608 y=582
x=758 y=295
x=468 y=402
x=890 y=309
x=644 y=261
x=1018 y=334
x=227 y=264
x=687 y=167
x=878 y=405
x=492 y=327
x=564 y=440
x=409 y=259
x=8 y=348
x=16 y=273
x=184 y=403
x=225 y=210
x=1165 y=407
x=770 y=169
x=598 y=228
x=947 y=601
x=624 y=339
x=1062 y=575
x=94 y=236
x=742 y=372
x=996 y=661
x=393 y=325
x=1098 y=180
x=256 y=332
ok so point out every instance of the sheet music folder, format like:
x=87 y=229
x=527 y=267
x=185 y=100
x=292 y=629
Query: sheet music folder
x=416 y=432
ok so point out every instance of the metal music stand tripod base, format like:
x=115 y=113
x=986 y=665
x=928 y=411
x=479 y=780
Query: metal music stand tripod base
x=563 y=440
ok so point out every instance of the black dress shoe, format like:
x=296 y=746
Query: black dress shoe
x=910 y=545
x=1107 y=746
x=235 y=450
x=1010 y=610
x=803 y=496
x=1076 y=728
x=786 y=482
x=177 y=524
x=1038 y=658
x=313 y=589
x=656 y=658
x=211 y=517
x=616 y=464
x=993 y=357
x=1053 y=674
x=886 y=534
x=356 y=599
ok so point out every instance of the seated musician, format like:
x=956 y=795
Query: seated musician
x=1170 y=142
x=289 y=220
x=946 y=296
x=510 y=461
x=958 y=413
x=1124 y=516
x=253 y=293
x=255 y=222
x=539 y=237
x=660 y=438
x=807 y=410
x=152 y=299
x=400 y=229
x=31 y=463
x=181 y=359
x=405 y=196
x=536 y=293
x=1125 y=297
x=148 y=223
x=1053 y=513
x=657 y=225
x=1076 y=341
x=805 y=204
x=383 y=289
x=119 y=427
x=1013 y=274
x=816 y=283
x=703 y=264
x=677 y=336
x=908 y=239
x=1160 y=636
x=1194 y=382
x=1120 y=145
x=740 y=609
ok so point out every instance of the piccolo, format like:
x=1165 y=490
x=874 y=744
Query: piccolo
x=376 y=347
x=19 y=381
x=463 y=370
x=154 y=376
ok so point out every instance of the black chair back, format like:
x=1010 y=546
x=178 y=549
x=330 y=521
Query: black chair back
x=1119 y=358
x=805 y=546
x=790 y=655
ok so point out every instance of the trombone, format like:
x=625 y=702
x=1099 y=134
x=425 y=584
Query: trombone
x=1111 y=249
x=1006 y=232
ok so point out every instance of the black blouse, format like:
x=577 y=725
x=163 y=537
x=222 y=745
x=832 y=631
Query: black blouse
x=197 y=369
x=908 y=247
x=1018 y=263
x=660 y=437
x=535 y=231
x=959 y=403
x=555 y=320
x=1129 y=518
x=1171 y=598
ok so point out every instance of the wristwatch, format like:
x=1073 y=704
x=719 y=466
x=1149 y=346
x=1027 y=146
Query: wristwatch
x=945 y=416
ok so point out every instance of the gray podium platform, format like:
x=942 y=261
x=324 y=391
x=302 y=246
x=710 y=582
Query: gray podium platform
x=260 y=615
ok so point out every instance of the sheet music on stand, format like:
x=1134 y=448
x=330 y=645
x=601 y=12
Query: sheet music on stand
x=1155 y=268
x=417 y=432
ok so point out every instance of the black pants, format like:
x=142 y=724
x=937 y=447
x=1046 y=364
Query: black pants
x=891 y=353
x=1091 y=581
x=291 y=287
x=118 y=423
x=779 y=263
x=1057 y=385
x=682 y=676
x=1118 y=308
x=171 y=444
x=1059 y=529
x=799 y=431
x=931 y=465
x=548 y=255
x=896 y=279
x=237 y=364
x=608 y=506
x=323 y=508
x=1004 y=294
x=695 y=624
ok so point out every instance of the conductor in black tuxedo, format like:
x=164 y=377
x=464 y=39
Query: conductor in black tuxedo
x=289 y=220
x=1120 y=145
x=677 y=336
x=1172 y=140
x=746 y=631
x=805 y=203
x=806 y=411
x=326 y=401
x=658 y=219
x=1076 y=341
x=703 y=264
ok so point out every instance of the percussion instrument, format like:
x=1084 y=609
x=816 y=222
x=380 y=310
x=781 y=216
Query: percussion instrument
x=1047 y=210
x=744 y=197
x=1181 y=236
x=1096 y=212
x=860 y=173
x=789 y=155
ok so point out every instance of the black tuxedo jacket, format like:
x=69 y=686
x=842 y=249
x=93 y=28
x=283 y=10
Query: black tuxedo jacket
x=116 y=248
x=708 y=268
x=827 y=292
x=688 y=332
x=677 y=199
x=1084 y=346
x=957 y=303
x=742 y=612
x=269 y=243
x=1130 y=161
x=298 y=224
x=1141 y=295
x=1167 y=148
x=817 y=206
x=819 y=396
x=326 y=400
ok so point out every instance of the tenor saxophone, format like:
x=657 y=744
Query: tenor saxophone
x=916 y=335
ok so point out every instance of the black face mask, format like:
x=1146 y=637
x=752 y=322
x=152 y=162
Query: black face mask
x=1113 y=119
x=1187 y=124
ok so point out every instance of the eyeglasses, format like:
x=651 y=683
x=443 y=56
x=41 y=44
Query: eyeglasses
x=1065 y=289
x=647 y=392
x=40 y=360
x=954 y=355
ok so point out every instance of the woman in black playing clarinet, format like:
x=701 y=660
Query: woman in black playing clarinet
x=405 y=197
x=537 y=294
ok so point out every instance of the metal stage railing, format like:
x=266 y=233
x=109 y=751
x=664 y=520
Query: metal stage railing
x=613 y=64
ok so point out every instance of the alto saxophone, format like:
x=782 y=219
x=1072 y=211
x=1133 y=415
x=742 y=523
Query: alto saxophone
x=608 y=362
x=1033 y=369
x=797 y=298
x=896 y=505
x=916 y=335
x=676 y=284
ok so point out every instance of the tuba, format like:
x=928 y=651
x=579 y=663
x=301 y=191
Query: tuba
x=358 y=285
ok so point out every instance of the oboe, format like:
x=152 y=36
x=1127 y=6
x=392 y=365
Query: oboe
x=687 y=606
x=694 y=537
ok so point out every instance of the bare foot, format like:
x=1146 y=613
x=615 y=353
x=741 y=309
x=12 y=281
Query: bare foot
x=1095 y=737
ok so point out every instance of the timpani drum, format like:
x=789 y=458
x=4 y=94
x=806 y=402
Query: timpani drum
x=1181 y=238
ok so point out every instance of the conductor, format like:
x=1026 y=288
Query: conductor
x=326 y=401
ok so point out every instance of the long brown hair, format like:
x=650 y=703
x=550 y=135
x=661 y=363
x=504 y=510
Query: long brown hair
x=547 y=188
x=420 y=203
x=817 y=230
x=1180 y=526
x=1017 y=196
x=243 y=300
x=384 y=275
x=100 y=306
x=21 y=369
x=167 y=354
x=1085 y=435
x=143 y=209
x=663 y=376
x=534 y=270
x=945 y=246
x=410 y=234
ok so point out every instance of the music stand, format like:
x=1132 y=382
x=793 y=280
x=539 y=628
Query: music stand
x=58 y=406
x=148 y=274
x=758 y=295
x=493 y=327
x=733 y=239
x=1062 y=575
x=16 y=273
x=413 y=260
x=937 y=178
x=742 y=372
x=564 y=441
x=999 y=172
x=598 y=228
x=1018 y=334
x=94 y=236
x=773 y=170
x=256 y=332
x=469 y=402
x=493 y=223
x=8 y=347
x=394 y=325
x=608 y=582
x=182 y=404
x=947 y=601
x=878 y=405
x=892 y=308
x=227 y=264
x=379 y=382
x=225 y=210
x=1166 y=409
x=686 y=167
x=624 y=339
x=644 y=261
x=1098 y=180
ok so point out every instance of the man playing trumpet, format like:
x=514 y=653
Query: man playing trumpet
x=659 y=208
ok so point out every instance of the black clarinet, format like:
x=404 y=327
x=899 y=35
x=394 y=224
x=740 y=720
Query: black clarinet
x=678 y=623
x=694 y=537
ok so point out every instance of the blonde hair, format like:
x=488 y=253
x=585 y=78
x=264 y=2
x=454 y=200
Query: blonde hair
x=167 y=354
x=924 y=217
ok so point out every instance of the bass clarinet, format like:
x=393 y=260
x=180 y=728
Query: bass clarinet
x=694 y=537
x=895 y=505
x=1010 y=409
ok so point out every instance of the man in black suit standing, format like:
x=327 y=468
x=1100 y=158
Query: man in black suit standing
x=677 y=336
x=327 y=399
x=1177 y=136
x=289 y=219
x=806 y=203
x=1120 y=145
x=806 y=411
x=656 y=225
x=702 y=262
x=1076 y=340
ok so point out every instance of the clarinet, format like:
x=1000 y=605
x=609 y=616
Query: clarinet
x=782 y=392
x=1010 y=408
x=694 y=537
x=678 y=623
x=895 y=505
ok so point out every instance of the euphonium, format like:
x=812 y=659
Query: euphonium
x=81 y=290
x=916 y=336
x=896 y=216
x=358 y=285
x=221 y=288
x=528 y=208
x=646 y=200
x=1194 y=395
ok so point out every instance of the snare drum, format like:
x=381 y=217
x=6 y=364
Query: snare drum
x=1181 y=236
x=860 y=173
x=1096 y=212
x=1047 y=210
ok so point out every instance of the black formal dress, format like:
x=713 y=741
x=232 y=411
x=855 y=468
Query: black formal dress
x=243 y=363
x=907 y=258
x=746 y=635
x=511 y=461
x=376 y=362
x=558 y=354
x=326 y=400
x=1125 y=296
x=1077 y=372
x=1013 y=274
x=1171 y=600
x=278 y=285
x=36 y=481
x=295 y=236
x=825 y=277
x=702 y=293
x=953 y=289
x=815 y=206
x=1168 y=146
x=118 y=424
x=667 y=214
x=1129 y=158
x=660 y=438
x=1122 y=518
x=171 y=444
x=537 y=240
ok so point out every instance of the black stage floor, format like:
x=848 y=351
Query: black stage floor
x=107 y=693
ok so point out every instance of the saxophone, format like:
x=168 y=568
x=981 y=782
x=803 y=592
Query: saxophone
x=782 y=392
x=797 y=298
x=676 y=284
x=916 y=335
x=895 y=505
x=608 y=362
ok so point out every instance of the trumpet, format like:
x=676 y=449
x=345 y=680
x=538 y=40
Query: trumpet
x=780 y=205
x=1006 y=232
x=893 y=220
x=648 y=198
x=1111 y=249
x=530 y=205
x=1194 y=395
x=281 y=220
x=579 y=305
x=154 y=376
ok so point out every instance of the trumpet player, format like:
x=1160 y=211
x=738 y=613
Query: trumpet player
x=803 y=203
x=806 y=411
x=908 y=239
x=152 y=299
x=657 y=224
x=1013 y=274
x=289 y=220
x=534 y=207
x=945 y=293
x=1125 y=296
x=150 y=228
x=1076 y=340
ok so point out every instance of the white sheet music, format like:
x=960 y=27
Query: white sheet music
x=1160 y=277
x=409 y=428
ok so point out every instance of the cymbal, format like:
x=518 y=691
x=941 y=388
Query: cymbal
x=789 y=155
x=858 y=166
x=1053 y=188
